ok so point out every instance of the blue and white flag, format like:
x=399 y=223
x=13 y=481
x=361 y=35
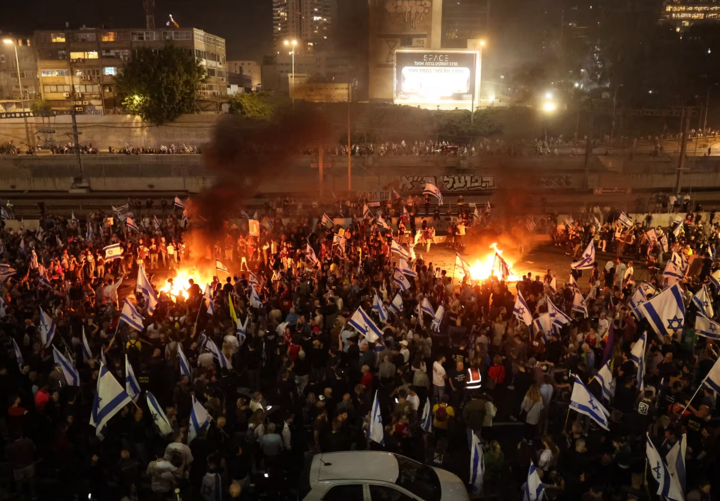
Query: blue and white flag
x=185 y=368
x=253 y=280
x=382 y=223
x=588 y=258
x=605 y=378
x=681 y=262
x=651 y=235
x=543 y=323
x=707 y=328
x=400 y=279
x=87 y=353
x=310 y=254
x=426 y=307
x=179 y=204
x=208 y=296
x=6 y=272
x=672 y=274
x=143 y=285
x=477 y=464
x=114 y=251
x=714 y=279
x=500 y=267
x=3 y=213
x=675 y=460
x=241 y=329
x=713 y=378
x=437 y=320
x=44 y=282
x=366 y=212
x=584 y=402
x=521 y=310
x=462 y=264
x=130 y=315
x=132 y=387
x=380 y=309
x=326 y=221
x=376 y=433
x=533 y=487
x=365 y=326
x=339 y=240
x=666 y=311
x=47 y=329
x=558 y=317
x=156 y=224
x=255 y=299
x=131 y=226
x=221 y=267
x=158 y=415
x=199 y=419
x=427 y=418
x=703 y=301
x=678 y=228
x=396 y=306
x=625 y=220
x=637 y=356
x=102 y=355
x=399 y=250
x=110 y=398
x=90 y=233
x=579 y=305
x=636 y=300
x=18 y=354
x=432 y=190
x=668 y=487
x=119 y=210
x=217 y=353
x=664 y=243
x=405 y=268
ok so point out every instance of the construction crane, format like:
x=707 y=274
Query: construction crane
x=171 y=22
x=149 y=6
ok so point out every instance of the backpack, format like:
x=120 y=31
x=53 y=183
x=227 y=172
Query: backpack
x=441 y=413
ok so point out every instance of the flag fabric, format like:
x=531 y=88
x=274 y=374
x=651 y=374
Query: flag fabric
x=476 y=215
x=605 y=378
x=132 y=387
x=426 y=307
x=625 y=220
x=208 y=296
x=651 y=235
x=23 y=247
x=714 y=279
x=179 y=204
x=678 y=229
x=221 y=267
x=668 y=487
x=438 y=318
x=382 y=223
x=110 y=291
x=637 y=356
x=666 y=311
x=72 y=376
x=18 y=354
x=326 y=221
x=675 y=460
x=521 y=310
x=87 y=353
x=47 y=328
x=340 y=242
x=637 y=299
x=112 y=252
x=2 y=308
x=672 y=274
x=558 y=317
x=579 y=305
x=3 y=213
x=130 y=315
x=584 y=402
x=217 y=353
x=405 y=268
x=310 y=254
x=462 y=264
x=396 y=305
x=707 y=328
x=241 y=329
x=366 y=212
x=131 y=226
x=255 y=299
x=365 y=326
x=501 y=267
x=703 y=301
x=649 y=289
x=399 y=250
x=156 y=224
x=543 y=323
x=253 y=280
x=426 y=419
x=477 y=464
x=185 y=368
x=572 y=283
x=379 y=307
x=143 y=285
x=90 y=233
x=432 y=190
x=199 y=419
x=664 y=243
x=375 y=427
x=6 y=272
x=400 y=279
x=533 y=487
x=231 y=308
x=110 y=398
x=588 y=258
x=713 y=377
x=158 y=415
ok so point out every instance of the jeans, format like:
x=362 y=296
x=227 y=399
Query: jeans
x=438 y=392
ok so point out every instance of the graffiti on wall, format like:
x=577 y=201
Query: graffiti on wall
x=560 y=181
x=409 y=12
x=412 y=183
x=467 y=182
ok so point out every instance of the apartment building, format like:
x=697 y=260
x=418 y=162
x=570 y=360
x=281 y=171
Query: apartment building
x=11 y=98
x=307 y=21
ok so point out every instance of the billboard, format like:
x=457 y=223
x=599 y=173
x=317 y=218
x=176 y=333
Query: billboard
x=432 y=78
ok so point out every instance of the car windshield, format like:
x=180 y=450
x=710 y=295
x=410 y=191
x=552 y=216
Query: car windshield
x=417 y=478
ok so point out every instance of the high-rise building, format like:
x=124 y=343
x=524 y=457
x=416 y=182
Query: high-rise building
x=11 y=97
x=307 y=21
x=463 y=20
x=684 y=13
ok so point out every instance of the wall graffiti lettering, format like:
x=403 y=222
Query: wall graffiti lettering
x=410 y=183
x=468 y=182
x=411 y=12
x=561 y=181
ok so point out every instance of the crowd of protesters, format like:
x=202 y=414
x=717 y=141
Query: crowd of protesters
x=301 y=381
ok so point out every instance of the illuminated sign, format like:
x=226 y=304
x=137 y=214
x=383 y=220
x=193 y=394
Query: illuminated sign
x=430 y=78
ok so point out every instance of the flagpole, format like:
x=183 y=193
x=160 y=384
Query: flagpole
x=694 y=394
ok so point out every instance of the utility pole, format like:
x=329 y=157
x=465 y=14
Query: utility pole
x=349 y=148
x=321 y=152
x=588 y=149
x=686 y=114
x=80 y=180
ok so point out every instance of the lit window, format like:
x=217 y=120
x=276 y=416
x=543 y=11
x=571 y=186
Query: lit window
x=84 y=55
x=110 y=70
x=54 y=73
x=57 y=37
x=110 y=36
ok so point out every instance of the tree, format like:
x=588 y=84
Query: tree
x=253 y=106
x=40 y=107
x=159 y=85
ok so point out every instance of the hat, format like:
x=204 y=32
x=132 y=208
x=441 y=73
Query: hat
x=404 y=343
x=531 y=362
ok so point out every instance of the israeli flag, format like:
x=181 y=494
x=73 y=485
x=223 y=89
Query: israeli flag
x=476 y=215
x=558 y=317
x=573 y=284
x=544 y=324
x=678 y=228
x=439 y=314
x=158 y=414
x=713 y=378
x=714 y=279
x=340 y=242
x=185 y=369
x=366 y=212
x=143 y=285
x=637 y=299
x=672 y=274
x=199 y=419
x=405 y=268
x=130 y=315
x=18 y=354
x=132 y=387
x=605 y=378
x=399 y=250
x=179 y=204
x=255 y=299
x=533 y=487
x=131 y=226
x=625 y=220
x=87 y=353
x=664 y=243
x=427 y=419
x=521 y=310
x=579 y=305
x=400 y=280
x=383 y=224
x=432 y=190
x=668 y=487
x=310 y=254
x=207 y=296
x=396 y=306
x=362 y=323
x=44 y=282
x=112 y=252
x=637 y=356
x=462 y=264
x=681 y=262
x=3 y=213
x=380 y=309
x=47 y=328
x=253 y=280
x=675 y=460
x=552 y=285
x=376 y=432
x=588 y=258
x=707 y=328
x=703 y=301
x=241 y=329
x=156 y=222
x=6 y=272
x=221 y=267
x=217 y=353
x=584 y=402
x=666 y=311
x=102 y=356
x=477 y=465
x=89 y=234
x=326 y=221
x=121 y=209
x=110 y=398
x=651 y=235
x=501 y=267
x=426 y=307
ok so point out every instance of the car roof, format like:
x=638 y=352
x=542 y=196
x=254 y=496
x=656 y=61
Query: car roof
x=358 y=465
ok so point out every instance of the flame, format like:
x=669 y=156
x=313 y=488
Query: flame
x=482 y=270
x=181 y=283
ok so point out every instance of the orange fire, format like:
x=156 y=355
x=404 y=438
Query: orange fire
x=484 y=269
x=181 y=283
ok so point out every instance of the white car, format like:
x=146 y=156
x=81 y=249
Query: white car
x=380 y=476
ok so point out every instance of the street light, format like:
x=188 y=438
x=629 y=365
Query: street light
x=292 y=43
x=7 y=41
x=549 y=106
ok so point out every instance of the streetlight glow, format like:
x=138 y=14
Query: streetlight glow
x=7 y=41
x=482 y=43
x=548 y=95
x=549 y=106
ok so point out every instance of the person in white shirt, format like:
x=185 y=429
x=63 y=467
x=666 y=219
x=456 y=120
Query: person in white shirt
x=286 y=435
x=628 y=273
x=177 y=446
x=256 y=402
x=413 y=398
x=620 y=271
x=603 y=325
x=404 y=350
x=439 y=377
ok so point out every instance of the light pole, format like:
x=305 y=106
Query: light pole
x=478 y=77
x=22 y=94
x=292 y=43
